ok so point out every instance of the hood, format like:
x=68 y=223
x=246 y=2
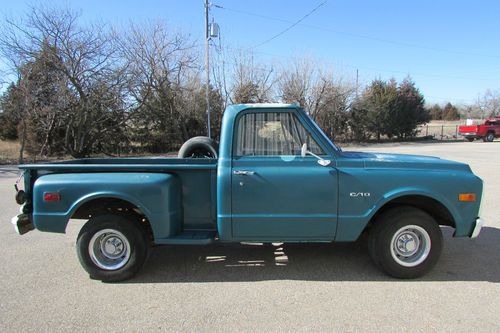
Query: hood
x=403 y=161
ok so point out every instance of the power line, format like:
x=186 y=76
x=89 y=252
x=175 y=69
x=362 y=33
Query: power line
x=447 y=99
x=376 y=69
x=378 y=39
x=293 y=24
x=219 y=51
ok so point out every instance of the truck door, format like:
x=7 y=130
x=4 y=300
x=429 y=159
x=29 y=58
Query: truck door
x=277 y=195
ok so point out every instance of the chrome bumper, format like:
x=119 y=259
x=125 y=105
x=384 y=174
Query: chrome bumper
x=22 y=223
x=477 y=228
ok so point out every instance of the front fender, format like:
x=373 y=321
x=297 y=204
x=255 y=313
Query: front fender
x=383 y=185
x=407 y=191
x=350 y=227
x=156 y=195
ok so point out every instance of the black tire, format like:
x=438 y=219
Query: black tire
x=489 y=137
x=125 y=236
x=199 y=147
x=469 y=139
x=396 y=228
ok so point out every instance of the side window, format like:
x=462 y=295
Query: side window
x=272 y=134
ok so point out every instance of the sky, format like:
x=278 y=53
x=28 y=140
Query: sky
x=451 y=49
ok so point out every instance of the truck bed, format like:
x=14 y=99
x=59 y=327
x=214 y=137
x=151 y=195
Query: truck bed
x=468 y=129
x=197 y=179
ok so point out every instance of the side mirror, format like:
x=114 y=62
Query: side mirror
x=321 y=161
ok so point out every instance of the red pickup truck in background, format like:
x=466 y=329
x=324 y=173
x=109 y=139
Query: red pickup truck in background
x=487 y=131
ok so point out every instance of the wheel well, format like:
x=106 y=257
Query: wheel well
x=101 y=206
x=429 y=205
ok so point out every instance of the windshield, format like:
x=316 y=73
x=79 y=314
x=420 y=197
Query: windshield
x=322 y=133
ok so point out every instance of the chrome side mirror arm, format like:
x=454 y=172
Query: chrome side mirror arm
x=304 y=151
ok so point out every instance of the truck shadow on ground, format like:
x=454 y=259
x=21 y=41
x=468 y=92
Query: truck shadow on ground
x=462 y=259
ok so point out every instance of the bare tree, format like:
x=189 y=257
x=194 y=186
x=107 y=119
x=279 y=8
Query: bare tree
x=251 y=82
x=490 y=103
x=296 y=83
x=86 y=57
x=327 y=99
x=163 y=70
x=333 y=105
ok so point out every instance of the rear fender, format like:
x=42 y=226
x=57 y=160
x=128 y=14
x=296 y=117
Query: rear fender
x=157 y=195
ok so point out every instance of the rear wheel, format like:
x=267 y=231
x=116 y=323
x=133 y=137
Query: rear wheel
x=112 y=247
x=405 y=242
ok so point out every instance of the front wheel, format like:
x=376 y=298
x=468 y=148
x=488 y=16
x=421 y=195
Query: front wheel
x=112 y=247
x=405 y=242
x=469 y=139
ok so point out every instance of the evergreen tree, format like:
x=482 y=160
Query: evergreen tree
x=391 y=109
x=409 y=111
x=450 y=112
x=10 y=111
x=377 y=103
x=45 y=98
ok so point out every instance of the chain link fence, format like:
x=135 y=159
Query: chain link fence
x=439 y=132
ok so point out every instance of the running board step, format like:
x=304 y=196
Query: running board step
x=190 y=237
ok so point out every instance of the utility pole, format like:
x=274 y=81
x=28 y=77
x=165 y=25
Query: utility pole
x=207 y=68
x=357 y=83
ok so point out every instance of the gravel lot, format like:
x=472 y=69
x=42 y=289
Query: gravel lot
x=258 y=287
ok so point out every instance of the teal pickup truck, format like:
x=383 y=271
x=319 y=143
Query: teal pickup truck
x=276 y=177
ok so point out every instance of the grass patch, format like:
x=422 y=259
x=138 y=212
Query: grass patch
x=9 y=152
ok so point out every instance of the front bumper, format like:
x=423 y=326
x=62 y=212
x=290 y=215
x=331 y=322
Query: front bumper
x=477 y=227
x=22 y=223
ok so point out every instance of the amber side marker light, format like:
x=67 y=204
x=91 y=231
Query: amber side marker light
x=467 y=197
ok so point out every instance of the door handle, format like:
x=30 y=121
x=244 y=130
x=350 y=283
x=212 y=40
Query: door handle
x=243 y=172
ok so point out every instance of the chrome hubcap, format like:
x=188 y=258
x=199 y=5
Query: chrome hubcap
x=410 y=245
x=407 y=244
x=112 y=247
x=109 y=249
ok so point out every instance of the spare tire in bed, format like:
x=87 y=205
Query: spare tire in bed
x=199 y=147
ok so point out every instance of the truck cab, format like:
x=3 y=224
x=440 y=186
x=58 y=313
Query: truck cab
x=268 y=191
